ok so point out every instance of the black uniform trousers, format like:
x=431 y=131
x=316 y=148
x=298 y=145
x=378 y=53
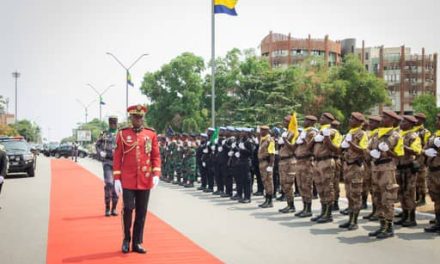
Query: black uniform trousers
x=210 y=175
x=220 y=175
x=243 y=171
x=134 y=200
x=203 y=176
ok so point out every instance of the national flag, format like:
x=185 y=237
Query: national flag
x=214 y=136
x=293 y=126
x=225 y=7
x=129 y=82
x=101 y=102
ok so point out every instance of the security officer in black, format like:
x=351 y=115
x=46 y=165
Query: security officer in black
x=227 y=158
x=201 y=157
x=244 y=163
x=255 y=168
x=220 y=162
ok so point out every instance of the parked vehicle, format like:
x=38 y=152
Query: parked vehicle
x=67 y=151
x=20 y=156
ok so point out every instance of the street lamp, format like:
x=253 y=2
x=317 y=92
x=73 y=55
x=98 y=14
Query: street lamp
x=100 y=94
x=16 y=75
x=127 y=72
x=86 y=107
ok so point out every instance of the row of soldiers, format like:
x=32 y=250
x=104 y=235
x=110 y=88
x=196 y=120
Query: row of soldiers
x=387 y=156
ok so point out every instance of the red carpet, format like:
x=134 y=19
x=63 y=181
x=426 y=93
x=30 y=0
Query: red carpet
x=79 y=233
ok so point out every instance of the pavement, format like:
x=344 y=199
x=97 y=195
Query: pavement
x=234 y=233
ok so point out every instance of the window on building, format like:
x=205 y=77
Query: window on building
x=367 y=56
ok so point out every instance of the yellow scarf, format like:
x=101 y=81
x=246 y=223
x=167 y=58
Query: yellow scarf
x=271 y=147
x=363 y=144
x=437 y=133
x=416 y=145
x=382 y=131
x=322 y=127
x=372 y=132
x=398 y=149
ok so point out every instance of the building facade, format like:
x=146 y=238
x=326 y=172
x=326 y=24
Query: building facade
x=283 y=50
x=407 y=75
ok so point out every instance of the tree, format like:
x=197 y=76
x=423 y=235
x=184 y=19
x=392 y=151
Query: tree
x=176 y=92
x=6 y=130
x=353 y=89
x=29 y=130
x=426 y=103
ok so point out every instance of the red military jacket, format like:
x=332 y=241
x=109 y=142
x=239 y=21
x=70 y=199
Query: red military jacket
x=136 y=159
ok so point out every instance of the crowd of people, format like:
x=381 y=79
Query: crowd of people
x=392 y=158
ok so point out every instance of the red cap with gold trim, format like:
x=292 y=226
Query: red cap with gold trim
x=137 y=110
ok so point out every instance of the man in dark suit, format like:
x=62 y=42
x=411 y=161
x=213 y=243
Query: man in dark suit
x=3 y=165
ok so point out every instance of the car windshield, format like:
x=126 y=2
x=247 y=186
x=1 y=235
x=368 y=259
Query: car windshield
x=15 y=146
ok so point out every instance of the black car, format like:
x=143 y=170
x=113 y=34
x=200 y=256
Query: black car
x=20 y=156
x=67 y=151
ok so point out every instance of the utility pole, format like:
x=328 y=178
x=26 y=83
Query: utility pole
x=100 y=94
x=16 y=75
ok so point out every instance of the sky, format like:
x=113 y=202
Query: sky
x=59 y=46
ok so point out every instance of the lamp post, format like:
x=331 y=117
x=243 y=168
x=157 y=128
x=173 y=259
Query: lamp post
x=127 y=72
x=100 y=94
x=16 y=75
x=86 y=107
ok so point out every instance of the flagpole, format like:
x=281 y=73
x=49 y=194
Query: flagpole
x=212 y=65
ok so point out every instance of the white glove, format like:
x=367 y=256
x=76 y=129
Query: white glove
x=269 y=169
x=281 y=141
x=223 y=142
x=234 y=145
x=284 y=135
x=241 y=145
x=230 y=153
x=220 y=149
x=118 y=187
x=431 y=152
x=188 y=143
x=326 y=132
x=205 y=150
x=204 y=164
x=2 y=179
x=103 y=154
x=303 y=135
x=437 y=142
x=375 y=153
x=345 y=144
x=299 y=141
x=256 y=140
x=319 y=138
x=213 y=147
x=348 y=138
x=155 y=181
x=237 y=154
x=216 y=141
x=384 y=147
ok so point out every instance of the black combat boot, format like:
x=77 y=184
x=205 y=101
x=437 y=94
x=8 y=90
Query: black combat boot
x=368 y=217
x=282 y=197
x=290 y=208
x=348 y=223
x=411 y=220
x=114 y=213
x=364 y=202
x=422 y=200
x=107 y=209
x=265 y=201
x=388 y=232
x=346 y=211
x=258 y=193
x=307 y=212
x=335 y=206
x=380 y=230
x=125 y=246
x=300 y=212
x=399 y=214
x=354 y=222
x=405 y=214
x=314 y=219
x=434 y=227
x=327 y=216
x=269 y=203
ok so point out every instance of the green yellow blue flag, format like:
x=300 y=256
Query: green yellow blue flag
x=225 y=7
x=129 y=79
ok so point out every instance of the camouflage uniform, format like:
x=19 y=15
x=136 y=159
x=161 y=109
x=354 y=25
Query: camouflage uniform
x=421 y=187
x=304 y=170
x=263 y=157
x=385 y=187
x=189 y=165
x=433 y=164
x=287 y=173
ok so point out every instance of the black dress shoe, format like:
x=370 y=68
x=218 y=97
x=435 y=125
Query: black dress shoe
x=201 y=188
x=125 y=247
x=225 y=195
x=114 y=213
x=244 y=201
x=138 y=248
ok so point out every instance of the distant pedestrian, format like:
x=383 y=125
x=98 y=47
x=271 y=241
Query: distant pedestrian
x=3 y=167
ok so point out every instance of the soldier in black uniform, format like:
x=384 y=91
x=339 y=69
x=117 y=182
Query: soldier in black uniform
x=244 y=155
x=219 y=162
x=3 y=167
x=227 y=159
x=255 y=168
x=201 y=156
x=105 y=147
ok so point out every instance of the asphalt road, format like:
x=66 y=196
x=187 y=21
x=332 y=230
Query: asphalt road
x=235 y=233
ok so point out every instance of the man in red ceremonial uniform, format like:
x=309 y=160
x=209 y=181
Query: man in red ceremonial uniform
x=136 y=169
